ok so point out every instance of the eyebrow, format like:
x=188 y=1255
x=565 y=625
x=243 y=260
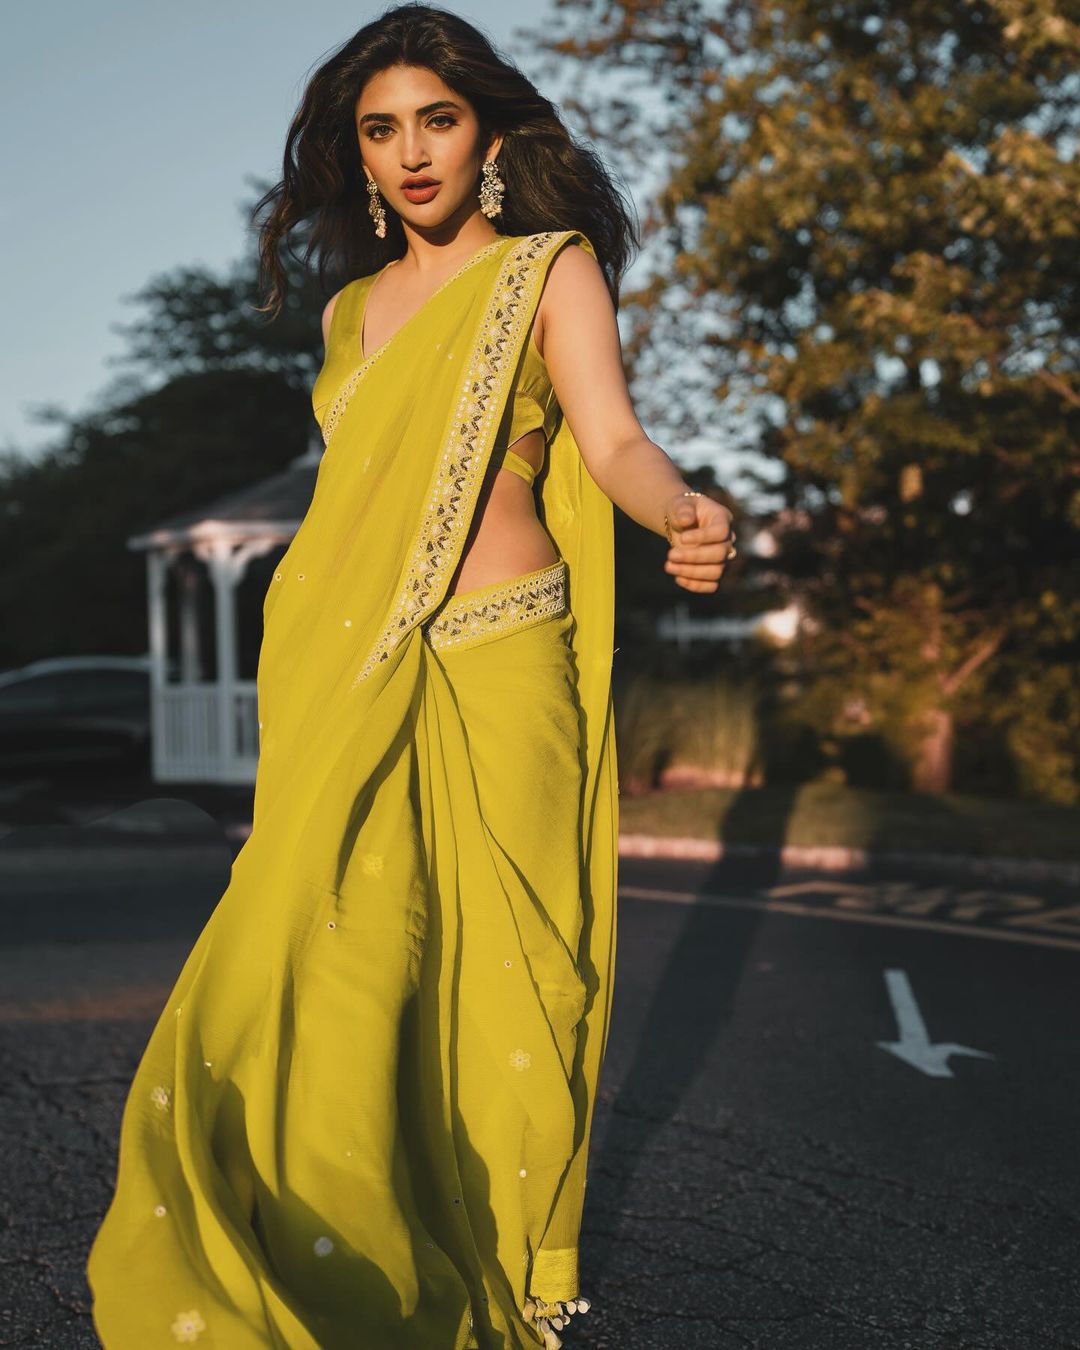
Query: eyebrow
x=420 y=112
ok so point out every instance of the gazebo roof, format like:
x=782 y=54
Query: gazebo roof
x=269 y=509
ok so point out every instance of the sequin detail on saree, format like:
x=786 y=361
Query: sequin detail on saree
x=504 y=605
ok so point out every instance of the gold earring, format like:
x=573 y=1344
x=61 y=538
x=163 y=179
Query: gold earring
x=375 y=208
x=491 y=190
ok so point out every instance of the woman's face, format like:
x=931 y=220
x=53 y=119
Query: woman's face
x=412 y=125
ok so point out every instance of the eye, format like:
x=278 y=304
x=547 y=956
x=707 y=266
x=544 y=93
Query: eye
x=447 y=120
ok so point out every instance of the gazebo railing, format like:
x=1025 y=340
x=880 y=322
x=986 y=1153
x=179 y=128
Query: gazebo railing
x=197 y=740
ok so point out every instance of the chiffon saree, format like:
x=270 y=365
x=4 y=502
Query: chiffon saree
x=362 y=1119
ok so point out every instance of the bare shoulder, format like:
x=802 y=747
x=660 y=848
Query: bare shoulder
x=583 y=354
x=574 y=266
x=575 y=284
x=327 y=315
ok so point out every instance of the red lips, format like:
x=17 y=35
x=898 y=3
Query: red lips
x=419 y=182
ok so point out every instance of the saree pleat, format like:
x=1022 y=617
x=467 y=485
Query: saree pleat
x=362 y=1118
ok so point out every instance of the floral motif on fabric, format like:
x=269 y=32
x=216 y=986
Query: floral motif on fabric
x=188 y=1325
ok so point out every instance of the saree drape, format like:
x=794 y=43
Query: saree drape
x=362 y=1118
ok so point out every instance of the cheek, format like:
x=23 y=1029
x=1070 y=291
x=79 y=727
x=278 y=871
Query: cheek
x=458 y=156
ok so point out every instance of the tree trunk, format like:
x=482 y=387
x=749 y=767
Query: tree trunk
x=932 y=770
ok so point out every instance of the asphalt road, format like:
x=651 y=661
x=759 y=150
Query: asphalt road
x=766 y=1171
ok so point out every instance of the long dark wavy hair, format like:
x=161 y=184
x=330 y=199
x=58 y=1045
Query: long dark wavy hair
x=552 y=181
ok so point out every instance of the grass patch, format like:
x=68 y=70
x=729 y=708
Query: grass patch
x=828 y=813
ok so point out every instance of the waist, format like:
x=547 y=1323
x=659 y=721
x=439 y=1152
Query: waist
x=506 y=537
x=510 y=603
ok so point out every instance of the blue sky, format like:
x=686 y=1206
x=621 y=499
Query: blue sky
x=132 y=128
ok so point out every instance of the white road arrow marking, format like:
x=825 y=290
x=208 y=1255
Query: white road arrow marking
x=914 y=1046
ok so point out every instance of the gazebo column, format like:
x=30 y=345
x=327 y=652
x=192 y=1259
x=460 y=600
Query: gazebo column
x=206 y=727
x=227 y=562
x=157 y=566
x=191 y=663
x=219 y=558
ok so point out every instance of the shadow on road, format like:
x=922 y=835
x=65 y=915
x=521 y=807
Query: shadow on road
x=689 y=1009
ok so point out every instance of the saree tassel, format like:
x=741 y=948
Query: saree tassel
x=550 y=1318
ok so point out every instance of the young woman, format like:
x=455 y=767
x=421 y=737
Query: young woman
x=362 y=1120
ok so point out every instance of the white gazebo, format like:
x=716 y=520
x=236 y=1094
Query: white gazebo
x=204 y=724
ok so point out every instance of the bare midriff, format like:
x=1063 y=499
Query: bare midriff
x=506 y=538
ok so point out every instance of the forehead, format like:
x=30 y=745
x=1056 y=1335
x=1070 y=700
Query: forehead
x=403 y=89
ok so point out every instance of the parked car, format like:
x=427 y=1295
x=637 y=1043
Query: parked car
x=72 y=710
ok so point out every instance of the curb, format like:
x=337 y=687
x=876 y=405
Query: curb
x=841 y=858
x=101 y=850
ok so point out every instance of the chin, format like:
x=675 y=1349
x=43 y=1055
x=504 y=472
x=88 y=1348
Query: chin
x=425 y=219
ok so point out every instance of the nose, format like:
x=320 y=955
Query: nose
x=414 y=156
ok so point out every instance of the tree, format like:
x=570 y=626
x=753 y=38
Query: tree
x=211 y=399
x=871 y=208
x=68 y=582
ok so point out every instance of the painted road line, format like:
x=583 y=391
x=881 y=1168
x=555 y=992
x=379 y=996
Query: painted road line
x=915 y=1046
x=847 y=909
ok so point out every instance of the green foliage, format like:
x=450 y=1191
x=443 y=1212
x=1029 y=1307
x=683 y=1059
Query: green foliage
x=688 y=732
x=643 y=733
x=213 y=399
x=872 y=210
x=192 y=321
x=1041 y=726
x=68 y=582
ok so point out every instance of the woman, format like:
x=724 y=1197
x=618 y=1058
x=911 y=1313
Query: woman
x=363 y=1117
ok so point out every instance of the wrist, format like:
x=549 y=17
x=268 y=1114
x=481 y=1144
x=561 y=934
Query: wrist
x=669 y=506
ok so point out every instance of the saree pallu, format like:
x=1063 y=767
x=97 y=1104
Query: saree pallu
x=362 y=1118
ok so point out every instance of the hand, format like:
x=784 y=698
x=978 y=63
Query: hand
x=704 y=540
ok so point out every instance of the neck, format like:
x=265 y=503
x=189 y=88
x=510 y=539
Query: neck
x=432 y=254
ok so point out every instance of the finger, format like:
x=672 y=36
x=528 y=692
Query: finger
x=684 y=569
x=701 y=553
x=706 y=534
x=704 y=586
x=716 y=532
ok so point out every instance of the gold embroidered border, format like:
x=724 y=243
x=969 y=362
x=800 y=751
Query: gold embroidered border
x=459 y=472
x=344 y=394
x=515 y=603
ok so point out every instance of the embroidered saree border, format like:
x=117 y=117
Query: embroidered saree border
x=341 y=399
x=459 y=469
x=504 y=605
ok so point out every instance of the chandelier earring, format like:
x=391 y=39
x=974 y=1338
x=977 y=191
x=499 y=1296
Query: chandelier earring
x=491 y=190
x=375 y=208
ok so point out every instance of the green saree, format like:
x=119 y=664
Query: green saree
x=362 y=1120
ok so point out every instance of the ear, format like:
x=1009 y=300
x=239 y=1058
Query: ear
x=494 y=148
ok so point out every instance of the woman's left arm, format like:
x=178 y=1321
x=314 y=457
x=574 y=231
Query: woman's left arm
x=582 y=349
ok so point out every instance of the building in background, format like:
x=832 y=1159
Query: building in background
x=204 y=569
x=207 y=573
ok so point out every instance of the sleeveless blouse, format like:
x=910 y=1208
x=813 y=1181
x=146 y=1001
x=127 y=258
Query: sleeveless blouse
x=532 y=404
